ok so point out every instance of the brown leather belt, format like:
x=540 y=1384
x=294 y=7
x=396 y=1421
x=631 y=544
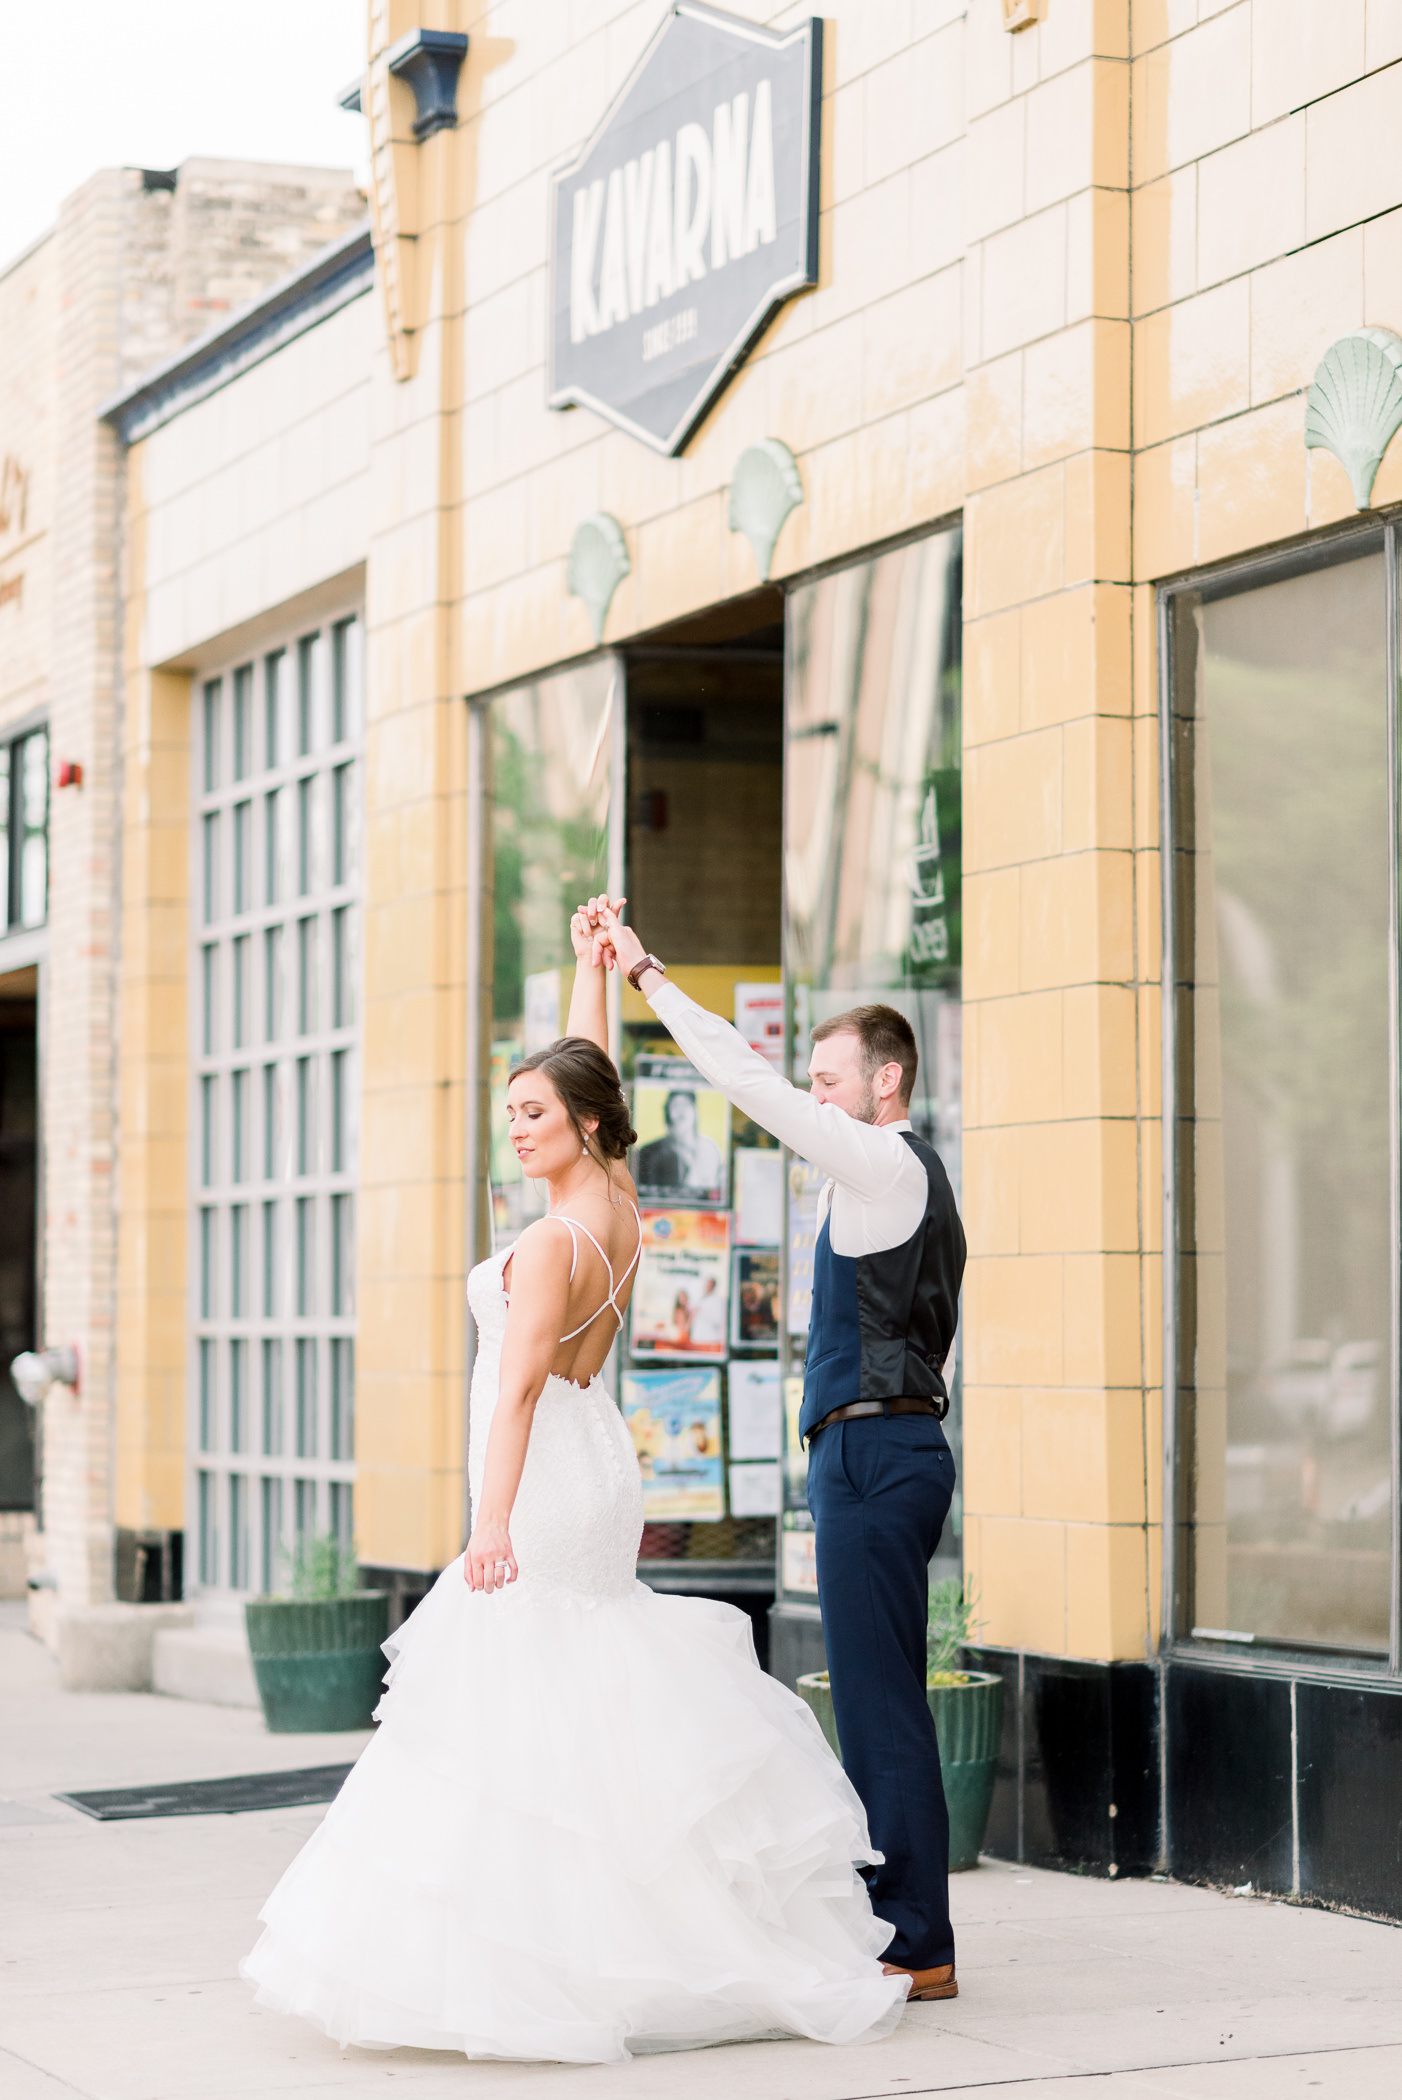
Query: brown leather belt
x=857 y=1408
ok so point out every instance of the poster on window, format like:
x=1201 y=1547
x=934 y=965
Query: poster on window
x=755 y=1410
x=759 y=1018
x=799 y=1561
x=805 y=1182
x=673 y=1418
x=681 y=1300
x=754 y=1299
x=755 y=1490
x=795 y=1451
x=759 y=1196
x=683 y=1151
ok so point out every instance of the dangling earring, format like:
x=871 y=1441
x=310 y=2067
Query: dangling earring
x=585 y=1153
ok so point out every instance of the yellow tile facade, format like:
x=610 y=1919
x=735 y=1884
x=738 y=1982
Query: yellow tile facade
x=153 y=1078
x=1072 y=284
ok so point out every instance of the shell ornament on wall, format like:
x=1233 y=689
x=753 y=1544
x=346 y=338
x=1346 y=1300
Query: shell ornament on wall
x=598 y=564
x=764 y=488
x=1354 y=405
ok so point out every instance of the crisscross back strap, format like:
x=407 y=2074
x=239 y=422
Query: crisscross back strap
x=610 y=1304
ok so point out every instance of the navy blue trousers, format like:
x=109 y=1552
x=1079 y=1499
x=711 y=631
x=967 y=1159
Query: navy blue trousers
x=879 y=1489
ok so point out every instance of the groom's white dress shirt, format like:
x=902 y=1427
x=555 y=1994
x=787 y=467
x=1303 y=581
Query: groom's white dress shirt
x=877 y=1188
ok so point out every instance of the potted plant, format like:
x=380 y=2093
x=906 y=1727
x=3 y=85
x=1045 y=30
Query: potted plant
x=968 y=1710
x=316 y=1654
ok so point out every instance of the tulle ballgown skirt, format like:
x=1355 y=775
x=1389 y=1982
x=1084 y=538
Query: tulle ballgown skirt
x=587 y=1827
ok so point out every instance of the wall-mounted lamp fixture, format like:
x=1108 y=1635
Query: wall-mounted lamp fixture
x=430 y=60
x=70 y=773
x=38 y=1369
x=1021 y=14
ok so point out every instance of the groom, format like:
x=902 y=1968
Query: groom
x=886 y=1275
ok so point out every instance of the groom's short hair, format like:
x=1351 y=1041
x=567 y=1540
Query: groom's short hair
x=886 y=1037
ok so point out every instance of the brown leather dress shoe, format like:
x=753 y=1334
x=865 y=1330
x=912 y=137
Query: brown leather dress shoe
x=925 y=1983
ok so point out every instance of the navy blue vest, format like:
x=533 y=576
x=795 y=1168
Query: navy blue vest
x=883 y=1324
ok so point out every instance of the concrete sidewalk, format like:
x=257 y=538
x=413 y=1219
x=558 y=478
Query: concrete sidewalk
x=119 y=1946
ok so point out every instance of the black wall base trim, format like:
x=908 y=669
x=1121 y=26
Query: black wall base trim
x=1289 y=1783
x=1078 y=1775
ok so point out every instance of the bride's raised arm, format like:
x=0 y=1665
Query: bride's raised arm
x=588 y=1016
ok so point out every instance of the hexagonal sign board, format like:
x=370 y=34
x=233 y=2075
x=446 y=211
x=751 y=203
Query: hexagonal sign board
x=687 y=219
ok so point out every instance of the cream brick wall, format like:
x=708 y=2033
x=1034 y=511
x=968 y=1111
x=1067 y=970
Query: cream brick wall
x=28 y=379
x=127 y=276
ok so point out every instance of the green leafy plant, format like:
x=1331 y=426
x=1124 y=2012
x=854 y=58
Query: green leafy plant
x=323 y=1565
x=952 y=1625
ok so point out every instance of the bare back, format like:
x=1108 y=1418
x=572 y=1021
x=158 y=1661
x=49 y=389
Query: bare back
x=606 y=1213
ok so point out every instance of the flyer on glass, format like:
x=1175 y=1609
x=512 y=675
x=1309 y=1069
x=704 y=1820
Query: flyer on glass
x=683 y=1150
x=799 y=1561
x=759 y=1017
x=754 y=1302
x=795 y=1452
x=805 y=1182
x=759 y=1196
x=681 y=1300
x=673 y=1418
x=755 y=1409
x=754 y=1490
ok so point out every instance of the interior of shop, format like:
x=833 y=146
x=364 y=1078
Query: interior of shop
x=775 y=786
x=699 y=1370
x=19 y=991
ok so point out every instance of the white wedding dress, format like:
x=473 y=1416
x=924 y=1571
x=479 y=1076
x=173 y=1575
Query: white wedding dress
x=589 y=1825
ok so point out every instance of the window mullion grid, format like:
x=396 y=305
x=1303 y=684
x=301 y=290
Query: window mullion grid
x=285 y=1324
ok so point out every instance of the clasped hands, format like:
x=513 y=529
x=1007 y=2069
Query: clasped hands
x=601 y=938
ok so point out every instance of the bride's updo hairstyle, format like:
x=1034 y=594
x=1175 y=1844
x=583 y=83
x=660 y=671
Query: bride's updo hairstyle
x=588 y=1084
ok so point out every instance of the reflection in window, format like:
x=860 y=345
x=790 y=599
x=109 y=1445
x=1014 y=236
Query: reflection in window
x=549 y=755
x=1281 y=929
x=33 y=766
x=872 y=855
x=24 y=831
x=243 y=720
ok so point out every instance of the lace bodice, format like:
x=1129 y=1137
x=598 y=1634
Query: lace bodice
x=578 y=1518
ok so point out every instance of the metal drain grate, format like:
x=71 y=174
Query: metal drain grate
x=214 y=1797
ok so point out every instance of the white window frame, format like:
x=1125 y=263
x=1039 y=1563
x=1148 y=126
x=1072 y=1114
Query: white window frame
x=271 y=1364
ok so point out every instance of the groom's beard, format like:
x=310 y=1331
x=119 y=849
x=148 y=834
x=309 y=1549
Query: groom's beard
x=868 y=1107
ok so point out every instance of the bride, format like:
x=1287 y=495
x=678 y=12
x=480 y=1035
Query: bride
x=588 y=1824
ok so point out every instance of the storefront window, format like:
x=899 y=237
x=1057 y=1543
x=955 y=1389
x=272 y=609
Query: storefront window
x=24 y=831
x=275 y=977
x=872 y=878
x=550 y=753
x=1284 y=1278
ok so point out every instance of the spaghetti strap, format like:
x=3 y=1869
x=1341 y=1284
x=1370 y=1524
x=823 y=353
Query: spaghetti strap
x=610 y=1303
x=558 y=1218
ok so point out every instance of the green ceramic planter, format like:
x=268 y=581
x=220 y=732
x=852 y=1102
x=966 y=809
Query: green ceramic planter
x=317 y=1661
x=968 y=1726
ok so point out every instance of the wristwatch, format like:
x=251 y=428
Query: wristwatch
x=646 y=962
